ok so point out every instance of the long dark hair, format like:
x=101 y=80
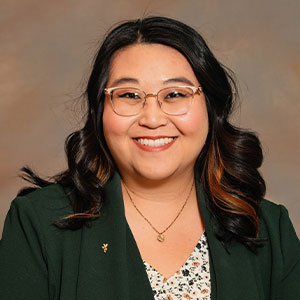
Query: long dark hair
x=228 y=163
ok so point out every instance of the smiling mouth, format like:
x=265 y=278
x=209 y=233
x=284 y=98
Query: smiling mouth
x=155 y=142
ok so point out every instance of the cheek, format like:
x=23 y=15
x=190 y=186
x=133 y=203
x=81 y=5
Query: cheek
x=111 y=129
x=195 y=123
x=112 y=132
x=115 y=129
x=112 y=125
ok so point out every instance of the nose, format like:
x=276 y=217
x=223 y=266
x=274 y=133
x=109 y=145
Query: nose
x=152 y=116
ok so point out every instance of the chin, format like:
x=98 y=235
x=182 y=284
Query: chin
x=155 y=174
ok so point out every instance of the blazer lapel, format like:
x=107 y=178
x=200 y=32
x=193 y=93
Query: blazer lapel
x=232 y=272
x=110 y=263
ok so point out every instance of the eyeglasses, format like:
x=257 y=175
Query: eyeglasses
x=127 y=101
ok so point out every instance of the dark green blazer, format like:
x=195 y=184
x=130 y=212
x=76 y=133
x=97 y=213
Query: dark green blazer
x=39 y=261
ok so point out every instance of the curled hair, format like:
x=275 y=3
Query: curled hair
x=227 y=165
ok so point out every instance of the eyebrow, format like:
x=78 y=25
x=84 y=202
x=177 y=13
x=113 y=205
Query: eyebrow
x=134 y=80
x=124 y=80
x=178 y=80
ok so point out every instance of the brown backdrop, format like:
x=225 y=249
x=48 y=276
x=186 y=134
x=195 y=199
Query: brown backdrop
x=45 y=53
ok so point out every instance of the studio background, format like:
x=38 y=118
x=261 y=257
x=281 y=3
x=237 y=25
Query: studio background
x=46 y=50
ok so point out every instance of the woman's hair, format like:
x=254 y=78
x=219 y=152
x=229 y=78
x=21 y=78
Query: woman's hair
x=227 y=165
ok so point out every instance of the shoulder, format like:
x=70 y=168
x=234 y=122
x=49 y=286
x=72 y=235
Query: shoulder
x=275 y=220
x=52 y=195
x=31 y=217
x=31 y=246
x=271 y=212
x=282 y=240
x=270 y=207
x=46 y=204
x=274 y=216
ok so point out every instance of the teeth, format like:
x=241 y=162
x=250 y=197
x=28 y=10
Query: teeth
x=151 y=143
x=155 y=143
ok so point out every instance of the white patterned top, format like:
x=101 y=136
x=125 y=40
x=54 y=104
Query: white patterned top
x=191 y=281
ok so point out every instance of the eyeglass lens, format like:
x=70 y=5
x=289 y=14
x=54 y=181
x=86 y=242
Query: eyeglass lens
x=130 y=101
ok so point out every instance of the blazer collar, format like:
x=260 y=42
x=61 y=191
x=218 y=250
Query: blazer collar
x=232 y=273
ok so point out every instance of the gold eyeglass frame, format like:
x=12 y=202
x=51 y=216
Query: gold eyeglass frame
x=108 y=91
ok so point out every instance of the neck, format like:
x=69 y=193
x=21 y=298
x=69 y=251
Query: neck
x=169 y=190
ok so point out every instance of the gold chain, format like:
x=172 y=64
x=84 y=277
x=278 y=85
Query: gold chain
x=160 y=236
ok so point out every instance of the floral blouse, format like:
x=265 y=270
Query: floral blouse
x=191 y=281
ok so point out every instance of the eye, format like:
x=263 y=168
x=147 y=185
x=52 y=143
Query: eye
x=130 y=95
x=176 y=94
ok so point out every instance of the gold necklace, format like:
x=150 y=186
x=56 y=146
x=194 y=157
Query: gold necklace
x=161 y=236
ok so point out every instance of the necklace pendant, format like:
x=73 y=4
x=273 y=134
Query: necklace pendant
x=161 y=237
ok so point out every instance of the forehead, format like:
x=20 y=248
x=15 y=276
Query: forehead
x=150 y=64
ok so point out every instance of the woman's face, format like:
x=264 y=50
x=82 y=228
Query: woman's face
x=151 y=67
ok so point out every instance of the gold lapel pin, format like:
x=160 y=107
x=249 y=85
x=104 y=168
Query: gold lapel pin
x=104 y=247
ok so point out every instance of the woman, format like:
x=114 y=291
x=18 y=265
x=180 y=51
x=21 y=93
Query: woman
x=162 y=198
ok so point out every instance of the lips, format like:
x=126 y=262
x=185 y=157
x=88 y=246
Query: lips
x=155 y=142
x=151 y=144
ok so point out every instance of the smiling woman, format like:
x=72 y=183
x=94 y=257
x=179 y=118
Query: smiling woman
x=162 y=198
x=152 y=67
